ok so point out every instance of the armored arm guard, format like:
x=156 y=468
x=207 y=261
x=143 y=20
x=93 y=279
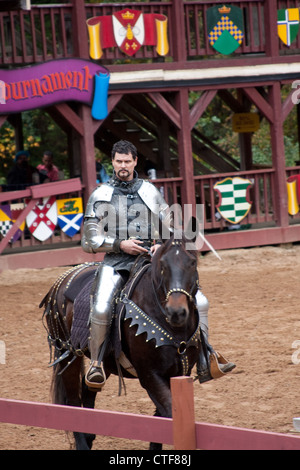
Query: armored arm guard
x=94 y=238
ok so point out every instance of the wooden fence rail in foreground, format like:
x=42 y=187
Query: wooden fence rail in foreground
x=181 y=431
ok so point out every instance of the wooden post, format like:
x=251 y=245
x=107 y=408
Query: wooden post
x=278 y=157
x=270 y=15
x=87 y=152
x=178 y=25
x=184 y=429
x=185 y=152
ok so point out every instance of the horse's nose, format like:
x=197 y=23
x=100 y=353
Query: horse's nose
x=176 y=316
x=177 y=309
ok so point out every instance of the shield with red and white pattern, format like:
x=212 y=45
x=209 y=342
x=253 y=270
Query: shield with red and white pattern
x=42 y=220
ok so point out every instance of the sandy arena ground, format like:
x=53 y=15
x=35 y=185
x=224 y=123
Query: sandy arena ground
x=254 y=321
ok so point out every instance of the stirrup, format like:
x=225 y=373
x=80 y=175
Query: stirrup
x=95 y=377
x=219 y=366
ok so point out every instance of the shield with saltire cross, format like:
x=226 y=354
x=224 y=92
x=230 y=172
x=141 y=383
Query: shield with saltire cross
x=234 y=202
x=288 y=25
x=42 y=220
x=70 y=215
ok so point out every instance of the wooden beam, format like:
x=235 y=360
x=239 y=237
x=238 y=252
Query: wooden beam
x=17 y=224
x=200 y=106
x=166 y=108
x=234 y=104
x=260 y=103
x=287 y=106
x=71 y=117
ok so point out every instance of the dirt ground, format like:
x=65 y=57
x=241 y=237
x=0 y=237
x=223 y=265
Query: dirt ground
x=254 y=321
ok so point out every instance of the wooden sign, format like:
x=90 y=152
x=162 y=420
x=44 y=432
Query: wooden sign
x=245 y=122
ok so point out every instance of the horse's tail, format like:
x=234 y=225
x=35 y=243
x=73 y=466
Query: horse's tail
x=58 y=389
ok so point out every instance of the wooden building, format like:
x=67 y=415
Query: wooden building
x=155 y=99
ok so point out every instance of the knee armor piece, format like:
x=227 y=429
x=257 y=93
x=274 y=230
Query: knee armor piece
x=107 y=284
x=202 y=307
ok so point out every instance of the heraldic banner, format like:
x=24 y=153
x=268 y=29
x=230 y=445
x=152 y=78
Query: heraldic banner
x=225 y=28
x=129 y=30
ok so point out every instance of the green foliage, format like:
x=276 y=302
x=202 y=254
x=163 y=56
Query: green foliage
x=216 y=124
x=40 y=133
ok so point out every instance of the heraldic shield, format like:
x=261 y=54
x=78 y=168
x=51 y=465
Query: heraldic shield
x=70 y=215
x=42 y=220
x=288 y=25
x=8 y=215
x=225 y=28
x=233 y=204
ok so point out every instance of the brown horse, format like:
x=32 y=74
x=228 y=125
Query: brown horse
x=155 y=335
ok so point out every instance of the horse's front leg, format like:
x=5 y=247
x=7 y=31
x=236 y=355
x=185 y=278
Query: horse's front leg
x=159 y=391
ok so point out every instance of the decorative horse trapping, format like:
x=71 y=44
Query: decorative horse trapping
x=129 y=30
x=225 y=28
x=234 y=203
x=288 y=25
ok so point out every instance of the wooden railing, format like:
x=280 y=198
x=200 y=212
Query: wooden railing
x=28 y=198
x=47 y=32
x=38 y=35
x=261 y=197
x=262 y=213
x=182 y=432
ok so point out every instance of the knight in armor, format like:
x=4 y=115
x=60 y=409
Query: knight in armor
x=122 y=220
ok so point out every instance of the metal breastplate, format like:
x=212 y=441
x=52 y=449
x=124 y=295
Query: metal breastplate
x=126 y=213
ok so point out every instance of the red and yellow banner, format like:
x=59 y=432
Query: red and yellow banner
x=129 y=30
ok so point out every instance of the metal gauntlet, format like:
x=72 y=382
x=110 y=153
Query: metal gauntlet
x=93 y=239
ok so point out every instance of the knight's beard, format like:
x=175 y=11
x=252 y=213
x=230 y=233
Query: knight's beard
x=121 y=174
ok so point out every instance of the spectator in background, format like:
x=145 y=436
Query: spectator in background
x=22 y=174
x=47 y=170
x=102 y=176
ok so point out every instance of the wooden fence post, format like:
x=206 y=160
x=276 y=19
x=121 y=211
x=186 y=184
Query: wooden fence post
x=184 y=428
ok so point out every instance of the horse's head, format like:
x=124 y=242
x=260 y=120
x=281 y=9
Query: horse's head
x=178 y=279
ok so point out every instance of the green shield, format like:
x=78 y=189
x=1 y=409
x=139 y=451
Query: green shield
x=234 y=203
x=225 y=28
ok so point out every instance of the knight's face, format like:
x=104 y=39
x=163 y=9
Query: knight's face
x=124 y=166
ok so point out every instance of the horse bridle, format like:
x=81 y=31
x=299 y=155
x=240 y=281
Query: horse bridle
x=183 y=291
x=179 y=289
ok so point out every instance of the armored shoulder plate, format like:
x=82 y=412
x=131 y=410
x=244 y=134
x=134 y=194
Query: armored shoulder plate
x=152 y=197
x=101 y=194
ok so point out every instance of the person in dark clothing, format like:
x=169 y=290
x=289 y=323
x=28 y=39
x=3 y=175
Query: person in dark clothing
x=22 y=174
